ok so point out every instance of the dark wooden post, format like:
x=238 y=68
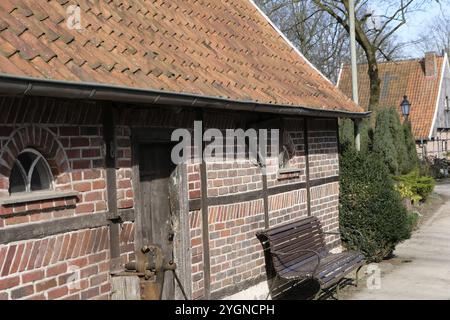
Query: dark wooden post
x=109 y=137
x=205 y=222
x=308 y=182
x=265 y=199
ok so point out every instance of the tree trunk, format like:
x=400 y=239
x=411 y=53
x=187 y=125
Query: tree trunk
x=374 y=82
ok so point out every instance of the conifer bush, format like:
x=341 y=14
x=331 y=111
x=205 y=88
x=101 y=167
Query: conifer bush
x=370 y=204
x=412 y=159
x=389 y=141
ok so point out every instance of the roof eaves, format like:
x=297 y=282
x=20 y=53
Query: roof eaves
x=20 y=85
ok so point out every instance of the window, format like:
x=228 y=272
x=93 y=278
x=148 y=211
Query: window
x=30 y=172
x=287 y=151
x=286 y=154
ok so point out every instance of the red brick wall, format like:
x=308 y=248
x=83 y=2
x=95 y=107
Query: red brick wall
x=69 y=135
x=70 y=266
x=75 y=130
x=196 y=250
x=324 y=163
x=236 y=255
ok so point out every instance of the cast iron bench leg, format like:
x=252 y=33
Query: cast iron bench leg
x=357 y=275
x=272 y=285
x=317 y=295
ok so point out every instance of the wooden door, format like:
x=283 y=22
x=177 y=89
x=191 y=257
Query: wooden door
x=155 y=168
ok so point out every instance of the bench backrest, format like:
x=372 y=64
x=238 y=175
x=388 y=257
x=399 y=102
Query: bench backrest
x=304 y=234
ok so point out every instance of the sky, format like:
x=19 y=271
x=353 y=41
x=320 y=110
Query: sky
x=416 y=23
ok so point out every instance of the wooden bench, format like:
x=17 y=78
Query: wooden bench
x=297 y=251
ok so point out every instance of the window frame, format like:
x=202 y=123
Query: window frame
x=27 y=177
x=286 y=152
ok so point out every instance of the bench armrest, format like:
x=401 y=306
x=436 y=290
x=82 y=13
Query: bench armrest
x=298 y=251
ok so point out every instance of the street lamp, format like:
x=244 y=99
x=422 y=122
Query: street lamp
x=406 y=107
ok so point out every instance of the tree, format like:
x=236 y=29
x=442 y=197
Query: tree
x=317 y=35
x=384 y=141
x=394 y=142
x=372 y=31
x=319 y=29
x=436 y=36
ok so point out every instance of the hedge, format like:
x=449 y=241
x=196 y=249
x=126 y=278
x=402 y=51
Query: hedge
x=370 y=204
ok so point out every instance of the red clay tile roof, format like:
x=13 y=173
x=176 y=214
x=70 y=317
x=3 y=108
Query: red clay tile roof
x=219 y=48
x=399 y=78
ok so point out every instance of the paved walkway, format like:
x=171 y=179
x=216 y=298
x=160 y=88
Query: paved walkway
x=421 y=269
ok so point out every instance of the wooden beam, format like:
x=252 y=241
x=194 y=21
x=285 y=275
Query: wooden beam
x=195 y=204
x=308 y=182
x=205 y=224
x=44 y=229
x=265 y=197
x=109 y=138
x=178 y=191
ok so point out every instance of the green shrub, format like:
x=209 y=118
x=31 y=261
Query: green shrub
x=413 y=219
x=415 y=186
x=393 y=142
x=370 y=204
x=391 y=139
x=425 y=168
x=412 y=159
x=347 y=135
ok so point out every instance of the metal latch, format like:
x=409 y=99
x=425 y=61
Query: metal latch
x=151 y=267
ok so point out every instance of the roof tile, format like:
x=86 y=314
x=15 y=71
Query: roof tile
x=221 y=48
x=399 y=78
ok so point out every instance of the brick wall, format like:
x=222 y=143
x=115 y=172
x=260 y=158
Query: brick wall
x=69 y=135
x=236 y=256
x=69 y=266
x=76 y=153
x=196 y=250
x=124 y=187
x=324 y=163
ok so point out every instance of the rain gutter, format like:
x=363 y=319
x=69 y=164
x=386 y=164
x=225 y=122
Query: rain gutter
x=26 y=86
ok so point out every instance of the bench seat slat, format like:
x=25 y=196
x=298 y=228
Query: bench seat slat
x=298 y=243
x=333 y=265
x=281 y=263
x=290 y=225
x=306 y=234
x=285 y=235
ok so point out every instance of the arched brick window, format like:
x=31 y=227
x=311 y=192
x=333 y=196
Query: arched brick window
x=30 y=172
x=33 y=142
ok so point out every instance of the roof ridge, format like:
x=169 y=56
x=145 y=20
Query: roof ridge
x=394 y=61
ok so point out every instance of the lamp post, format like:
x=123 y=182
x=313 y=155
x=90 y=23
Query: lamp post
x=406 y=107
